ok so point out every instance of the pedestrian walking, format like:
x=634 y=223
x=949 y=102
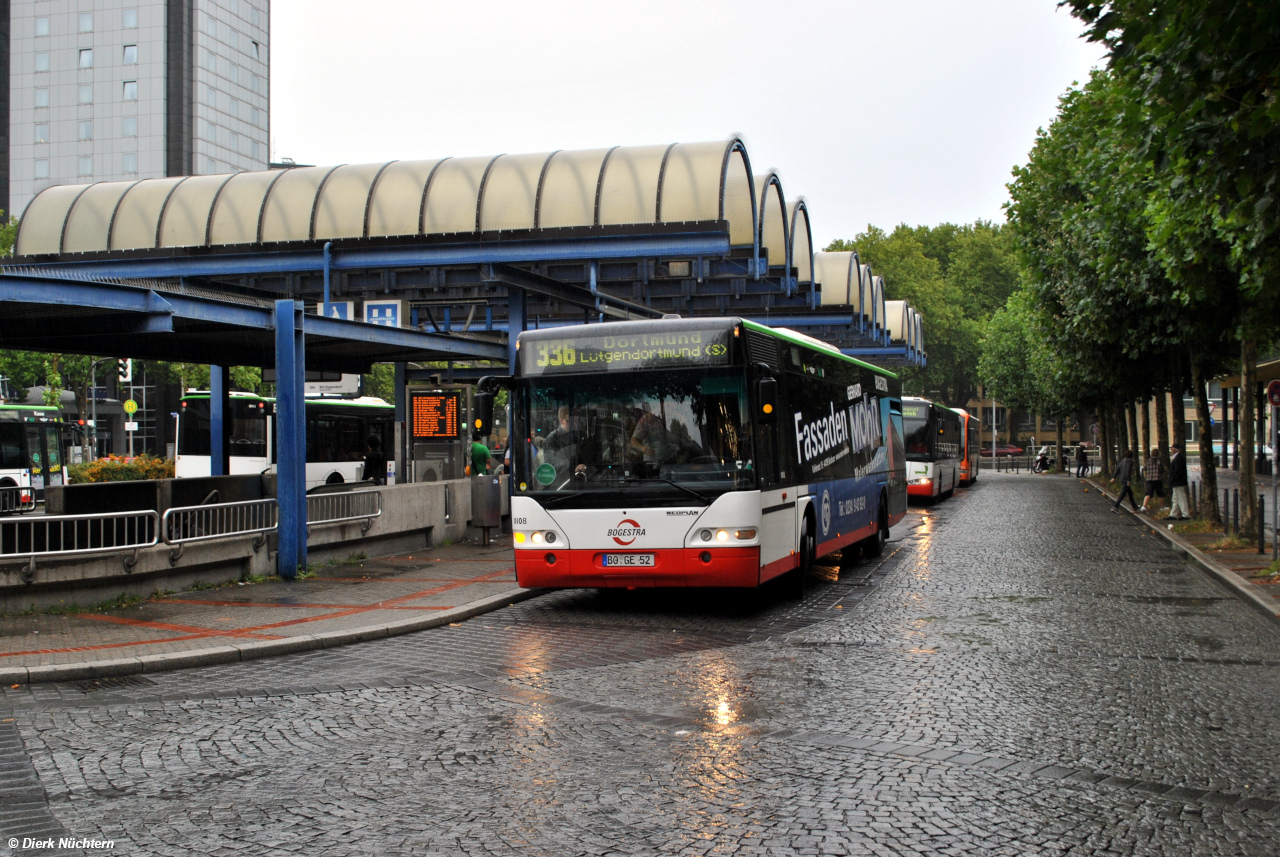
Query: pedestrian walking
x=1082 y=461
x=1180 y=506
x=1124 y=475
x=1151 y=472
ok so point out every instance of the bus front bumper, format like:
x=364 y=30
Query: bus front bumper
x=712 y=567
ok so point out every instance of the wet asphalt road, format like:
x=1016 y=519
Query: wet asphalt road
x=1025 y=673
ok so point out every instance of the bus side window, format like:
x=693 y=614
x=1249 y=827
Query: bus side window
x=11 y=446
x=769 y=447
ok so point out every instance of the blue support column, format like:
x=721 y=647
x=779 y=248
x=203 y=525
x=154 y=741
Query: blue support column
x=291 y=440
x=517 y=323
x=219 y=421
x=402 y=432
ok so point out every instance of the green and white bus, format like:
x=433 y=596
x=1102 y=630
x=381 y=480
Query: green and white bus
x=337 y=433
x=31 y=455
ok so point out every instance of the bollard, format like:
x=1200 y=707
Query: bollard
x=1195 y=495
x=1235 y=511
x=1262 y=527
x=1226 y=511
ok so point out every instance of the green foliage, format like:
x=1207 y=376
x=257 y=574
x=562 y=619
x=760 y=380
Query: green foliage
x=954 y=276
x=115 y=468
x=381 y=382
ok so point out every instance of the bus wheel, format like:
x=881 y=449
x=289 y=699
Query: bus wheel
x=874 y=546
x=808 y=547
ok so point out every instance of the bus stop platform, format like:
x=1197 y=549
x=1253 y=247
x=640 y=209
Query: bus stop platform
x=333 y=605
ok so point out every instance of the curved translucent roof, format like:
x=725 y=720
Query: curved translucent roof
x=801 y=243
x=834 y=272
x=635 y=185
x=899 y=321
x=876 y=311
x=774 y=235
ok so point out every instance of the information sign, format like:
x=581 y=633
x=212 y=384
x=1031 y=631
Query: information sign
x=434 y=415
x=130 y=406
x=613 y=353
x=1273 y=393
x=130 y=426
x=1094 y=430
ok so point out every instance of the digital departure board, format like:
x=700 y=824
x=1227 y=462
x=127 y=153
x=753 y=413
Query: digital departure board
x=613 y=353
x=915 y=411
x=434 y=416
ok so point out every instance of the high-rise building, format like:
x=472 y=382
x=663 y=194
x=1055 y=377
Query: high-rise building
x=107 y=90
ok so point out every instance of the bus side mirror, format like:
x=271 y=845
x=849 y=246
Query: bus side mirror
x=483 y=423
x=767 y=396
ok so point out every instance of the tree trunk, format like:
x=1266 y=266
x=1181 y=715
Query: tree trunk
x=1178 y=430
x=1162 y=430
x=1104 y=439
x=1247 y=414
x=1131 y=411
x=1061 y=463
x=1207 y=503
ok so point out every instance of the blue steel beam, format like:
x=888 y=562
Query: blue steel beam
x=278 y=262
x=402 y=337
x=291 y=442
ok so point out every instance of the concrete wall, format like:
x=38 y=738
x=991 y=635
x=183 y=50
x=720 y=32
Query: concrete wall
x=413 y=518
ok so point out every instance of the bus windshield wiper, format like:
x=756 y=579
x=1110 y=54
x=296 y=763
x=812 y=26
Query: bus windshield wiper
x=683 y=488
x=558 y=498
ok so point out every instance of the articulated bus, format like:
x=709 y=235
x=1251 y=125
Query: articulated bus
x=933 y=441
x=30 y=454
x=337 y=432
x=970 y=446
x=696 y=452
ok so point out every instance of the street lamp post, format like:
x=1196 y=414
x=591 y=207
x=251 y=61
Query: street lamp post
x=93 y=391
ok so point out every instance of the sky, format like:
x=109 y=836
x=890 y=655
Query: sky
x=875 y=111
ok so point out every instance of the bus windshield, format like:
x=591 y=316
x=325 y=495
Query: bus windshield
x=248 y=427
x=915 y=431
x=669 y=435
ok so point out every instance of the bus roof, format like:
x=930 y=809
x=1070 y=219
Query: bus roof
x=647 y=325
x=28 y=408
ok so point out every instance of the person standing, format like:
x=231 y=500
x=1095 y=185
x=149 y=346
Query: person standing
x=375 y=462
x=480 y=458
x=1151 y=473
x=1124 y=475
x=1082 y=461
x=1180 y=508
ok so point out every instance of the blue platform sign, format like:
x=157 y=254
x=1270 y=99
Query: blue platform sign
x=343 y=310
x=385 y=313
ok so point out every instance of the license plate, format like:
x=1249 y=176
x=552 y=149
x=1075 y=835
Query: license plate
x=641 y=560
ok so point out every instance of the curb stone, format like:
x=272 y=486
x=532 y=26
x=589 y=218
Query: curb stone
x=257 y=649
x=1241 y=588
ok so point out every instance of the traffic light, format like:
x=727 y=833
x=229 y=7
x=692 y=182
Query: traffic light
x=124 y=370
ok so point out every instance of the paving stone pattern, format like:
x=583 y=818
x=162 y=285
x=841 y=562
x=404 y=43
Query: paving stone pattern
x=1024 y=674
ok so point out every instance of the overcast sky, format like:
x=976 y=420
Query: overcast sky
x=876 y=111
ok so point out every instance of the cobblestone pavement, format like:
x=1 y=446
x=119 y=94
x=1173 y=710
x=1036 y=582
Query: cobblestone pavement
x=1025 y=674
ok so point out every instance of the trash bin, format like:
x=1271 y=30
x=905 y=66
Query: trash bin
x=486 y=503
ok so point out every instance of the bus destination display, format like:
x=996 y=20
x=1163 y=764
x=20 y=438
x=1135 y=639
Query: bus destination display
x=434 y=416
x=694 y=348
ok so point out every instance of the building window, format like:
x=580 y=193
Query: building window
x=130 y=19
x=210 y=167
x=130 y=162
x=86 y=58
x=211 y=26
x=42 y=98
x=42 y=62
x=254 y=82
x=255 y=117
x=130 y=90
x=86 y=166
x=255 y=16
x=208 y=131
x=42 y=26
x=86 y=93
x=234 y=107
x=130 y=54
x=86 y=22
x=42 y=169
x=233 y=141
x=86 y=130
x=42 y=133
x=257 y=51
x=129 y=126
x=211 y=62
x=255 y=150
x=234 y=74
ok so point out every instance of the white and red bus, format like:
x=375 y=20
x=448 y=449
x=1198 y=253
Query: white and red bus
x=933 y=441
x=695 y=452
x=970 y=446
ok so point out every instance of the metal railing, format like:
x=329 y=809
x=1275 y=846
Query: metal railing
x=326 y=509
x=185 y=524
x=11 y=499
x=78 y=535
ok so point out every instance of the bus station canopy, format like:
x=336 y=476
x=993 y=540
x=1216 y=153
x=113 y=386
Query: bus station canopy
x=622 y=232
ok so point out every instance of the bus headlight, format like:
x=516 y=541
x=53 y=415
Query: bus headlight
x=537 y=538
x=923 y=481
x=706 y=535
x=722 y=535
